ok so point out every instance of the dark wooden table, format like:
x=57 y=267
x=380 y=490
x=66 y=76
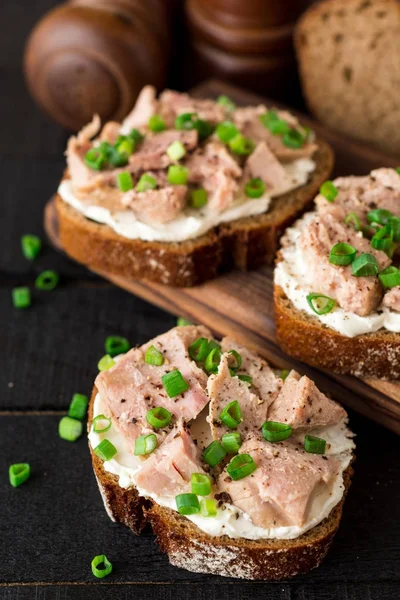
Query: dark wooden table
x=51 y=527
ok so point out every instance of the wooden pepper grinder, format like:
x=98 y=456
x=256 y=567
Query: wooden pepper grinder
x=94 y=56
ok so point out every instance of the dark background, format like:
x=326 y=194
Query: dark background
x=52 y=526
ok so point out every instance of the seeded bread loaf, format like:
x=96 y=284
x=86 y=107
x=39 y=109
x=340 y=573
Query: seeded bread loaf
x=348 y=56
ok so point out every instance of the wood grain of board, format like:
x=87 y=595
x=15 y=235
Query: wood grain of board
x=240 y=304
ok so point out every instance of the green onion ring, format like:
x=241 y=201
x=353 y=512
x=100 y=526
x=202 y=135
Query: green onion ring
x=342 y=254
x=158 y=417
x=365 y=265
x=320 y=304
x=241 y=466
x=314 y=445
x=97 y=427
x=272 y=431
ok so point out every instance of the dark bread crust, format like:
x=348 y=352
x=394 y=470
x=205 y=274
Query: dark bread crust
x=190 y=548
x=246 y=243
x=304 y=337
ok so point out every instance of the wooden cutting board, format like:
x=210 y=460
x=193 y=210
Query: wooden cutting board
x=240 y=304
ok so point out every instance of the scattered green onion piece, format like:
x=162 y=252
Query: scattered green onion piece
x=177 y=175
x=125 y=146
x=158 y=417
x=276 y=432
x=156 y=123
x=98 y=424
x=198 y=198
x=105 y=363
x=352 y=220
x=269 y=118
x=390 y=277
x=379 y=215
x=342 y=254
x=293 y=139
x=226 y=102
x=244 y=377
x=237 y=360
x=241 y=466
x=136 y=136
x=185 y=121
x=329 y=190
x=226 y=131
x=187 y=504
x=214 y=453
x=254 y=188
x=201 y=484
x=21 y=297
x=95 y=159
x=101 y=566
x=284 y=373
x=124 y=181
x=198 y=350
x=19 y=473
x=30 y=245
x=145 y=444
x=394 y=223
x=231 y=442
x=397 y=169
x=146 y=182
x=212 y=361
x=174 y=383
x=176 y=150
x=383 y=240
x=153 y=357
x=116 y=159
x=314 y=445
x=320 y=304
x=208 y=507
x=241 y=145
x=105 y=450
x=78 y=407
x=204 y=128
x=116 y=344
x=213 y=344
x=182 y=322
x=365 y=265
x=70 y=429
x=231 y=415
x=47 y=280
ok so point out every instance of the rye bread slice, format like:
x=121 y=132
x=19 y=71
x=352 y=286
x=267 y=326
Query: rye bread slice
x=190 y=548
x=246 y=243
x=348 y=56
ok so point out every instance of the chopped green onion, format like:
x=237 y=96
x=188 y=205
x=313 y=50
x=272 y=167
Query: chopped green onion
x=314 y=445
x=187 y=504
x=198 y=350
x=390 y=277
x=293 y=139
x=213 y=344
x=146 y=182
x=394 y=223
x=30 y=245
x=177 y=175
x=124 y=181
x=198 y=198
x=182 y=322
x=241 y=466
x=237 y=360
x=320 y=304
x=342 y=254
x=153 y=357
x=176 y=150
x=231 y=442
x=116 y=159
x=95 y=159
x=329 y=190
x=214 y=453
x=78 y=407
x=226 y=102
x=105 y=363
x=226 y=131
x=116 y=344
x=47 y=280
x=397 y=169
x=158 y=417
x=383 y=240
x=231 y=415
x=208 y=507
x=125 y=146
x=185 y=121
x=70 y=429
x=365 y=265
x=204 y=128
x=101 y=566
x=276 y=432
x=21 y=297
x=19 y=473
x=212 y=361
x=156 y=123
x=244 y=377
x=352 y=220
x=269 y=118
x=145 y=444
x=254 y=188
x=201 y=484
x=241 y=145
x=101 y=424
x=136 y=136
x=284 y=373
x=105 y=450
x=174 y=383
x=379 y=215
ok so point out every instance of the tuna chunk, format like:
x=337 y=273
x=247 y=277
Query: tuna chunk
x=262 y=163
x=157 y=206
x=173 y=104
x=168 y=470
x=392 y=299
x=146 y=106
x=76 y=149
x=286 y=485
x=360 y=295
x=110 y=132
x=301 y=404
x=152 y=151
x=132 y=387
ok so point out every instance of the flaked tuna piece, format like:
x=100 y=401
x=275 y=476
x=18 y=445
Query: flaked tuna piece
x=76 y=149
x=392 y=299
x=286 y=486
x=89 y=131
x=110 y=132
x=132 y=387
x=173 y=104
x=263 y=163
x=146 y=106
x=152 y=151
x=301 y=405
x=100 y=193
x=168 y=470
x=360 y=295
x=157 y=206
